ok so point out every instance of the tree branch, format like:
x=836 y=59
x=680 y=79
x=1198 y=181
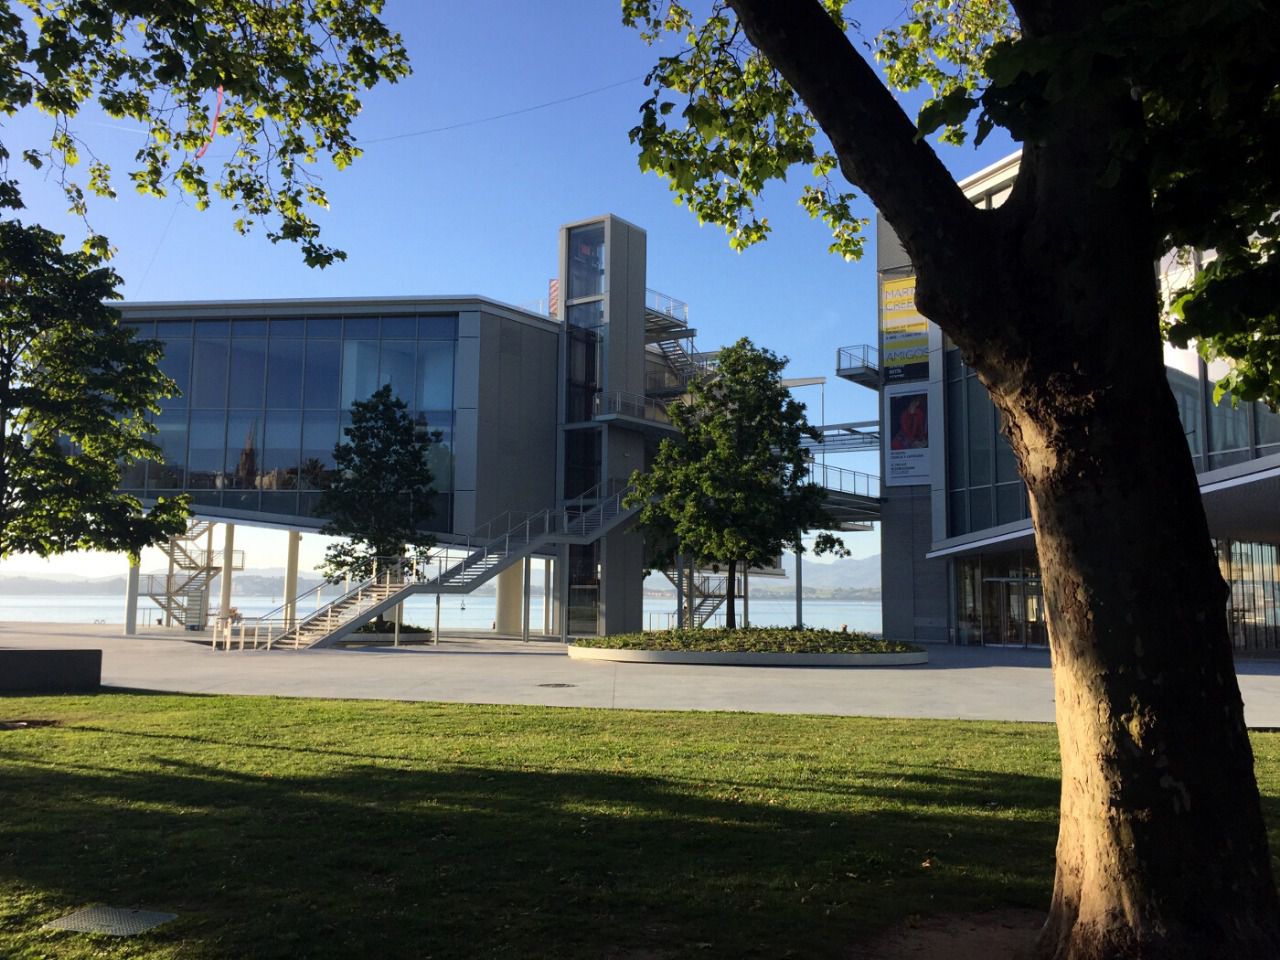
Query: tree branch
x=876 y=142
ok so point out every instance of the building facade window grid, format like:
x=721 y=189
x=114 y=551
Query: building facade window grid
x=264 y=401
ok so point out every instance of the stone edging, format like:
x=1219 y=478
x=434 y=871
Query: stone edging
x=750 y=659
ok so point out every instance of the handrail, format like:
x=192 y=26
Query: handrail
x=859 y=355
x=631 y=405
x=666 y=305
x=842 y=480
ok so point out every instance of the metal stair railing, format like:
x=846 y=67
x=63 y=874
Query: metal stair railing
x=585 y=518
x=271 y=630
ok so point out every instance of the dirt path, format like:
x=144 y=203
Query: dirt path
x=998 y=935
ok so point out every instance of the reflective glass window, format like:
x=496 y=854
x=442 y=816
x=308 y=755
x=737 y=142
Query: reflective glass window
x=396 y=368
x=205 y=449
x=957 y=475
x=1266 y=427
x=284 y=373
x=209 y=373
x=586 y=261
x=248 y=372
x=1010 y=500
x=1006 y=460
x=324 y=327
x=280 y=450
x=171 y=437
x=980 y=516
x=319 y=437
x=399 y=328
x=142 y=329
x=361 y=328
x=212 y=329
x=438 y=328
x=287 y=328
x=359 y=371
x=440 y=453
x=248 y=328
x=321 y=378
x=244 y=450
x=173 y=329
x=981 y=435
x=958 y=512
x=587 y=316
x=435 y=375
x=176 y=363
x=1228 y=425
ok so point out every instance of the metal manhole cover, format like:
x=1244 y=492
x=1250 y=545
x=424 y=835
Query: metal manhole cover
x=113 y=921
x=557 y=684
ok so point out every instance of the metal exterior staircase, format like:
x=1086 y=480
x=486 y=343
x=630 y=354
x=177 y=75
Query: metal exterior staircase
x=709 y=592
x=183 y=594
x=584 y=520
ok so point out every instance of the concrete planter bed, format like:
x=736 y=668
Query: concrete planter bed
x=751 y=646
x=750 y=659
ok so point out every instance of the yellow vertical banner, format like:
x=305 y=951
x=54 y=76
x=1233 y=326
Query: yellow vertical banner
x=904 y=333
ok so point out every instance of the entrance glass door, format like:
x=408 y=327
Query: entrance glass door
x=1013 y=612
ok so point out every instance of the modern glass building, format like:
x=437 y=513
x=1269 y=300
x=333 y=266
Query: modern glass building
x=538 y=414
x=958 y=553
x=267 y=387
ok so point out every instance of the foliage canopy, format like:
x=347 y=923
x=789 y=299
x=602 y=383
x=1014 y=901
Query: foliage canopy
x=75 y=391
x=723 y=122
x=734 y=487
x=287 y=75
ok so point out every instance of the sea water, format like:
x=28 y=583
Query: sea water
x=456 y=612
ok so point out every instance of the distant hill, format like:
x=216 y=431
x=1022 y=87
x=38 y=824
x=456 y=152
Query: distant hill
x=842 y=579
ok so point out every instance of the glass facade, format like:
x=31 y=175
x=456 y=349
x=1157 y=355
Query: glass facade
x=1252 y=571
x=264 y=401
x=998 y=599
x=983 y=486
x=585 y=317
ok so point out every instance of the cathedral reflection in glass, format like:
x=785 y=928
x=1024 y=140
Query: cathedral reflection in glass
x=264 y=400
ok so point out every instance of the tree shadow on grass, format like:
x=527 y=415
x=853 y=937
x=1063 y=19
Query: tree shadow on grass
x=346 y=855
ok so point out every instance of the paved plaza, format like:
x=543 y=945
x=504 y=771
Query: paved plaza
x=958 y=682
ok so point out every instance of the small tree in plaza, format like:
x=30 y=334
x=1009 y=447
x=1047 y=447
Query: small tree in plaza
x=382 y=493
x=733 y=489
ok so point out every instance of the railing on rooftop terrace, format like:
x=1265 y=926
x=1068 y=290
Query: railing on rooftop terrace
x=631 y=405
x=839 y=479
x=861 y=355
x=667 y=306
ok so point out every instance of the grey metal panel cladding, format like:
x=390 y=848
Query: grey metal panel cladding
x=889 y=252
x=914 y=590
x=465 y=459
x=516 y=422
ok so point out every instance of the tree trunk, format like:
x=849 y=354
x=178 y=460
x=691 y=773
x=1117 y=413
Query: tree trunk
x=730 y=619
x=1161 y=850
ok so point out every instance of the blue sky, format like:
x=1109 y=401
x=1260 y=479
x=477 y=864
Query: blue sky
x=475 y=208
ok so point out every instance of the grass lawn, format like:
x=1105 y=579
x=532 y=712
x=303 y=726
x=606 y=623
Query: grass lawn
x=310 y=828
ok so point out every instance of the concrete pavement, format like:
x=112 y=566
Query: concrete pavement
x=959 y=682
